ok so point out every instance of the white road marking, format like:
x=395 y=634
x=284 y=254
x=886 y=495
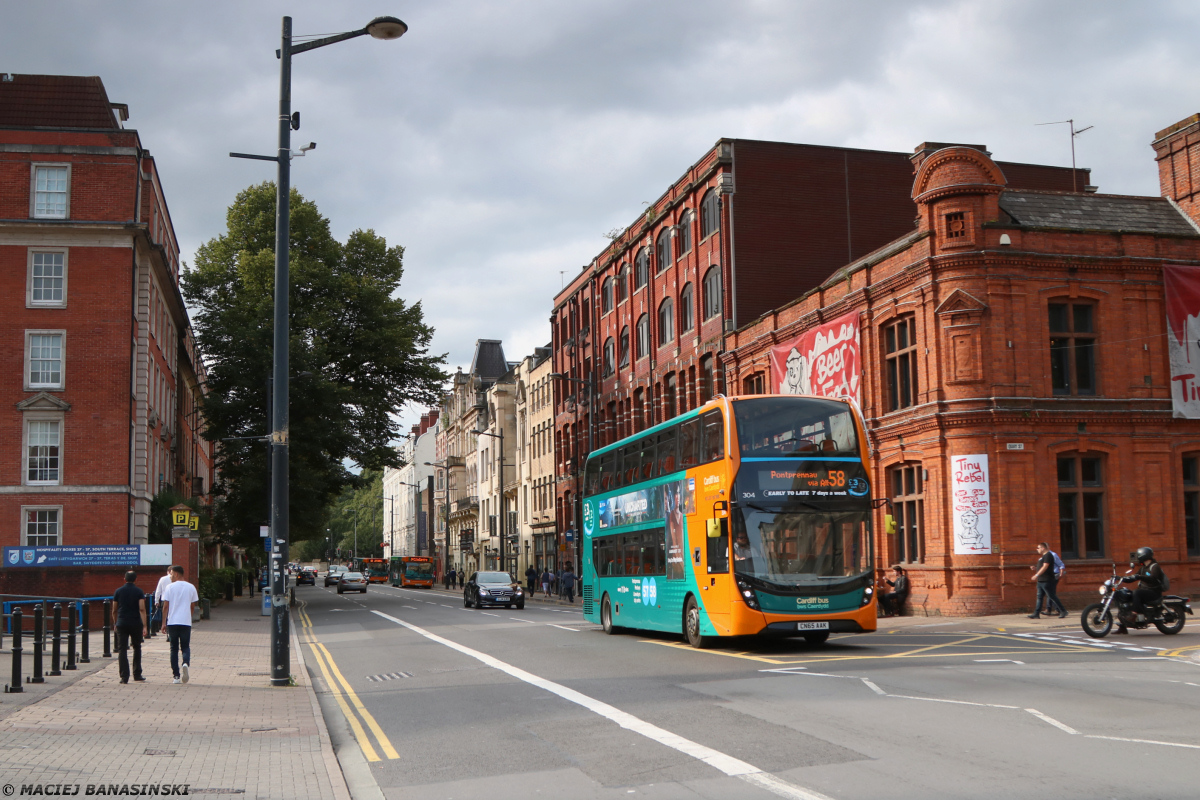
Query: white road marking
x=871 y=685
x=998 y=661
x=552 y=625
x=486 y=613
x=529 y=621
x=727 y=764
x=1052 y=721
x=1150 y=658
x=940 y=700
x=414 y=608
x=1143 y=741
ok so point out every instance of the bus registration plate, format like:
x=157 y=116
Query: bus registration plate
x=812 y=626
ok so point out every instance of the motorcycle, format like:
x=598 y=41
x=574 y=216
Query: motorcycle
x=1167 y=614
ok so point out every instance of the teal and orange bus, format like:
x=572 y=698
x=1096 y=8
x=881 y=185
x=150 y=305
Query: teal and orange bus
x=412 y=571
x=747 y=515
x=375 y=570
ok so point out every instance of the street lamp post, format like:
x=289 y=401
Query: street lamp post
x=590 y=383
x=500 y=475
x=378 y=28
x=445 y=467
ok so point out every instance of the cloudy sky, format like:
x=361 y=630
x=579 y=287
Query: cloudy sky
x=498 y=140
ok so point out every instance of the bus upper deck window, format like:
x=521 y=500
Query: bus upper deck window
x=713 y=443
x=689 y=443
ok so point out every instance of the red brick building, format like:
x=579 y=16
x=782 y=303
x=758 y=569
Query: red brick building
x=749 y=225
x=1028 y=327
x=99 y=406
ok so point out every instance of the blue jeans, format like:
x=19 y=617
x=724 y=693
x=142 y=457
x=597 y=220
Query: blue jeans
x=180 y=637
x=1048 y=590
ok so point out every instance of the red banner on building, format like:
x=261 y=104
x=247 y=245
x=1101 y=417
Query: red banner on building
x=1181 y=286
x=824 y=361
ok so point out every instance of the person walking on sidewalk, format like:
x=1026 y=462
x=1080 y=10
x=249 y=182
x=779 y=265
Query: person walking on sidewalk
x=531 y=580
x=131 y=622
x=1046 y=584
x=568 y=584
x=179 y=601
x=546 y=582
x=163 y=583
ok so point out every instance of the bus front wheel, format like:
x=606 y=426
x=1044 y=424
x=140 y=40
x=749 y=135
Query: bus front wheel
x=606 y=616
x=691 y=626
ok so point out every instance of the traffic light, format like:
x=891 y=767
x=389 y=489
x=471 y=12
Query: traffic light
x=889 y=523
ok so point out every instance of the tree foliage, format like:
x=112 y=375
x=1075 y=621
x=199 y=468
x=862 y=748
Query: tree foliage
x=360 y=508
x=358 y=353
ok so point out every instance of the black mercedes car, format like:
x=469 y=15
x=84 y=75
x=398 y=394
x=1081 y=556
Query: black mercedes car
x=493 y=589
x=307 y=575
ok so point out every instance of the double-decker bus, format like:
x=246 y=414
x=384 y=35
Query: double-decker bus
x=748 y=515
x=375 y=570
x=412 y=571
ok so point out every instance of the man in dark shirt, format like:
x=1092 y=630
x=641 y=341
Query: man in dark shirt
x=893 y=601
x=131 y=625
x=1047 y=583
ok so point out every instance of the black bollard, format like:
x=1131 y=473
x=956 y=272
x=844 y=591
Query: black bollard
x=150 y=616
x=71 y=619
x=56 y=644
x=15 y=686
x=83 y=651
x=38 y=637
x=238 y=579
x=108 y=628
x=229 y=591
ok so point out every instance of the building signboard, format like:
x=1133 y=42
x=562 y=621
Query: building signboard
x=1181 y=286
x=825 y=360
x=95 y=555
x=971 y=504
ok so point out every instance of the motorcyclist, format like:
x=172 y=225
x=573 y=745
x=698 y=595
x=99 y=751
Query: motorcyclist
x=1152 y=581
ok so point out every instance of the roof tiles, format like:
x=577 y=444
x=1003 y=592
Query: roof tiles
x=55 y=101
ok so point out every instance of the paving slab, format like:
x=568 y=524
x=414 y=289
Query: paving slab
x=227 y=731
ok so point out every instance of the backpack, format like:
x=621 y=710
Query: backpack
x=1059 y=566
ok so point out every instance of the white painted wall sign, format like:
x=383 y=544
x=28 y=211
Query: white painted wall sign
x=971 y=503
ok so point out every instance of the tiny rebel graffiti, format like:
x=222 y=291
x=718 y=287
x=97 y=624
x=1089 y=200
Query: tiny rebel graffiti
x=971 y=504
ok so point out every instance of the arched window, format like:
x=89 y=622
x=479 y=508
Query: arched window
x=662 y=251
x=623 y=284
x=609 y=357
x=624 y=347
x=712 y=293
x=683 y=239
x=643 y=335
x=687 y=316
x=666 y=322
x=606 y=295
x=641 y=269
x=710 y=216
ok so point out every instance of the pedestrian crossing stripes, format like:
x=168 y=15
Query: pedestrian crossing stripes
x=389 y=676
x=1075 y=639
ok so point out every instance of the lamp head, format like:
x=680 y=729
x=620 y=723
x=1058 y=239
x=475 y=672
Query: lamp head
x=386 y=28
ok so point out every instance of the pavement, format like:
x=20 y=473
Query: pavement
x=226 y=732
x=229 y=732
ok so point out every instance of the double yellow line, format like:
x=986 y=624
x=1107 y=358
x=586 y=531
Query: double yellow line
x=330 y=671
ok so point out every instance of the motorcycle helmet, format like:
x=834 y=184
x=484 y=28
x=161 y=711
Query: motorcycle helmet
x=1143 y=554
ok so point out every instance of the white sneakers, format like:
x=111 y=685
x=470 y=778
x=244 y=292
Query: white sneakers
x=184 y=673
x=176 y=680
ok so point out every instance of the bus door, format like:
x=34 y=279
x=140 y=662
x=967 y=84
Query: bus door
x=710 y=562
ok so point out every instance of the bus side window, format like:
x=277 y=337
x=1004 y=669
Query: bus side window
x=647 y=459
x=666 y=451
x=689 y=443
x=718 y=546
x=650 y=540
x=605 y=482
x=631 y=461
x=713 y=446
x=660 y=559
x=591 y=476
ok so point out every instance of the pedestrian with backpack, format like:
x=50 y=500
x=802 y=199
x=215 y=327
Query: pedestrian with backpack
x=1047 y=583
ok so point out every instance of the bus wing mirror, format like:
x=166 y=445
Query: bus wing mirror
x=714 y=528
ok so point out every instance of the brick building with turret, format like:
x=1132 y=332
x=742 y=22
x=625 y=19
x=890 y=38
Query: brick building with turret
x=1023 y=331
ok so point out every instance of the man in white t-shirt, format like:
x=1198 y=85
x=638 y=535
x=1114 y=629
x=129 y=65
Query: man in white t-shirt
x=179 y=600
x=163 y=583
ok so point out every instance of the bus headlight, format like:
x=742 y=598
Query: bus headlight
x=868 y=594
x=748 y=595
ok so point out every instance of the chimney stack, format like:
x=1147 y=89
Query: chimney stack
x=1177 y=151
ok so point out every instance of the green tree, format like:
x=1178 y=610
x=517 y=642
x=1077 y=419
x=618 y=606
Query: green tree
x=358 y=353
x=359 y=507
